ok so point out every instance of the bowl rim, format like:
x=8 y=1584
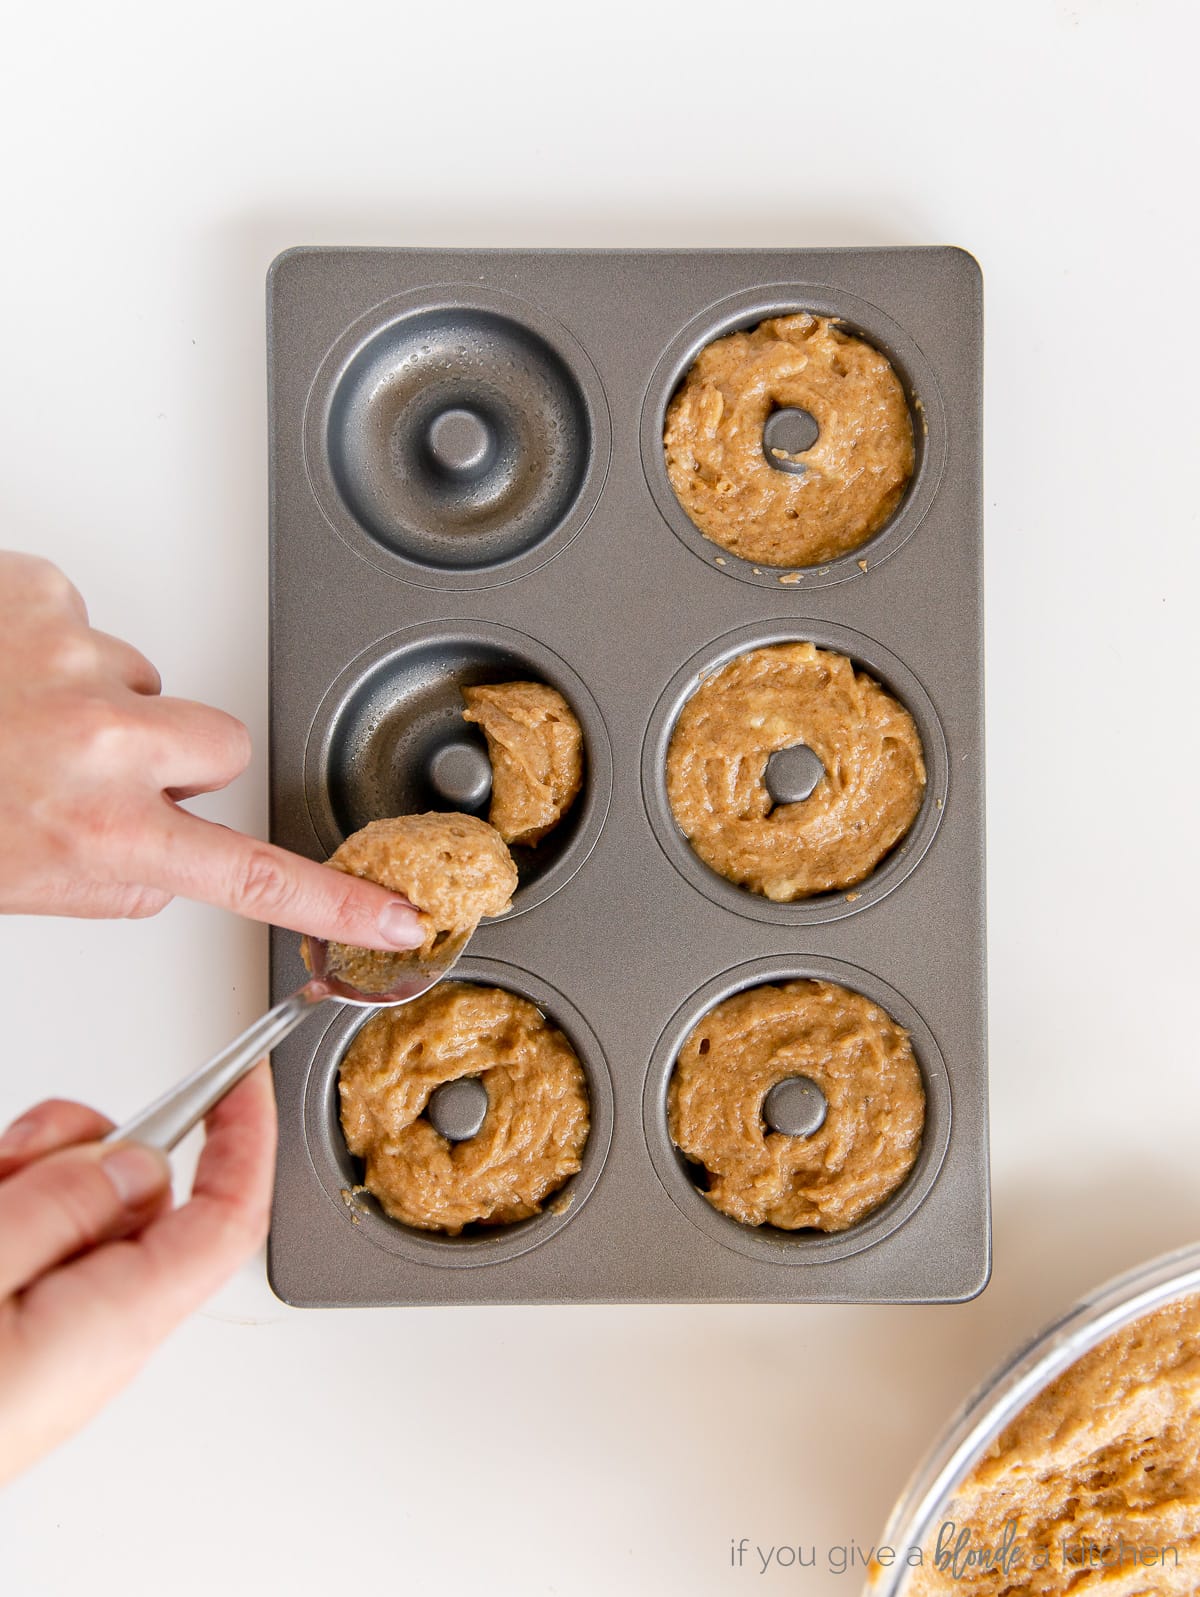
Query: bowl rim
x=1114 y=1304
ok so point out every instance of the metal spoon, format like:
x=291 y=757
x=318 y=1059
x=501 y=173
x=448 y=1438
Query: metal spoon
x=169 y=1119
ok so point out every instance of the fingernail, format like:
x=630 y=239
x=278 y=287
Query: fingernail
x=18 y=1137
x=398 y=926
x=136 y=1172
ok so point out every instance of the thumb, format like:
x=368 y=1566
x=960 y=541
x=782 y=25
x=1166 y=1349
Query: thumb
x=211 y=863
x=70 y=1201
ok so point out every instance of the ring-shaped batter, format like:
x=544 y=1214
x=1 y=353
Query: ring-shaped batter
x=855 y=474
x=774 y=698
x=858 y=1056
x=532 y=1137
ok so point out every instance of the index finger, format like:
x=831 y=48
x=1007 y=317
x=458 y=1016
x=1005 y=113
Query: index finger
x=201 y=860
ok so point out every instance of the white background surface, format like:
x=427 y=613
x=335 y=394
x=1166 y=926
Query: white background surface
x=156 y=159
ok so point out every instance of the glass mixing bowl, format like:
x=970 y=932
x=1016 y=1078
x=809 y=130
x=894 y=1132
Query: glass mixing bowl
x=925 y=1500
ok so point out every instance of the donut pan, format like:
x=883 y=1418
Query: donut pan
x=467 y=485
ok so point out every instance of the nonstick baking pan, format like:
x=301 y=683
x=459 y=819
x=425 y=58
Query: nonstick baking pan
x=468 y=485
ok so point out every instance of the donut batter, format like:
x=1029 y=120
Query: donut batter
x=532 y=1137
x=774 y=698
x=855 y=474
x=535 y=745
x=863 y=1063
x=1108 y=1454
x=454 y=869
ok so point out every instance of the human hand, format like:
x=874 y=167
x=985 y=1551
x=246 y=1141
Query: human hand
x=95 y=762
x=96 y=1267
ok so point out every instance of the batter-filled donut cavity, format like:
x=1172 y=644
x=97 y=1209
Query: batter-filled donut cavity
x=791 y=443
x=758 y=816
x=765 y=1058
x=528 y=1142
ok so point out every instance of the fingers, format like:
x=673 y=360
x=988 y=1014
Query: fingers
x=226 y=1218
x=126 y=663
x=194 y=748
x=57 y=1123
x=78 y=1334
x=34 y=585
x=218 y=866
x=38 y=597
x=73 y=1199
x=91 y=900
x=127 y=1295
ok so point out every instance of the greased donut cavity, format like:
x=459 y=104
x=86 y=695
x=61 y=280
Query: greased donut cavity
x=533 y=1134
x=854 y=475
x=858 y=1057
x=775 y=698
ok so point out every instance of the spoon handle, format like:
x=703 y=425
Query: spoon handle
x=169 y=1119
